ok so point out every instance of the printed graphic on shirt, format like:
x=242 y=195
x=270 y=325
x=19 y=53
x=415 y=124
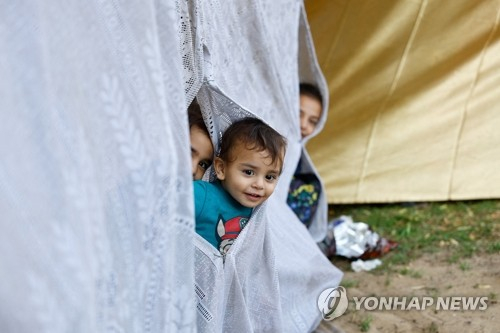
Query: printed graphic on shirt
x=227 y=231
x=303 y=196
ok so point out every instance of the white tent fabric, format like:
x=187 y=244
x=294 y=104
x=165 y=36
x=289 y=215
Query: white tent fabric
x=95 y=200
x=309 y=72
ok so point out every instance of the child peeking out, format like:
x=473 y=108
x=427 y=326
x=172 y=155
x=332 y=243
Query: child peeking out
x=247 y=169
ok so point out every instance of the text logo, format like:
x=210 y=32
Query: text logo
x=333 y=302
x=449 y=303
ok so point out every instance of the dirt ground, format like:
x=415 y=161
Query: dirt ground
x=430 y=276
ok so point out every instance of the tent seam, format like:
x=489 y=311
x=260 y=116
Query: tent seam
x=464 y=112
x=394 y=84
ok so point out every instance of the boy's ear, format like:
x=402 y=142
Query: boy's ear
x=219 y=168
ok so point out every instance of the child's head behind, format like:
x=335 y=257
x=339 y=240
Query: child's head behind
x=202 y=150
x=311 y=107
x=250 y=161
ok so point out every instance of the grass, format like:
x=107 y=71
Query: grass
x=346 y=283
x=464 y=266
x=433 y=328
x=365 y=323
x=410 y=272
x=466 y=228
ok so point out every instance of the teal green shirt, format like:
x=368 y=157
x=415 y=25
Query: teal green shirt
x=219 y=218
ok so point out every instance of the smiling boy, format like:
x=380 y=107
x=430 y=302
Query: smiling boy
x=247 y=168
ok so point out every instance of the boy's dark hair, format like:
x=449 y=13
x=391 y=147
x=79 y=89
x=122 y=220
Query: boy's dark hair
x=254 y=134
x=195 y=117
x=311 y=91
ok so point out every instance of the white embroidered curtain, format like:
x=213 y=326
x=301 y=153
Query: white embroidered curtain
x=96 y=201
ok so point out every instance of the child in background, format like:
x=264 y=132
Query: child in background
x=311 y=107
x=305 y=187
x=202 y=150
x=247 y=169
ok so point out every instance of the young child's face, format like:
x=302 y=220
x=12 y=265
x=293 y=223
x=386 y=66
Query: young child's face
x=250 y=178
x=202 y=152
x=310 y=112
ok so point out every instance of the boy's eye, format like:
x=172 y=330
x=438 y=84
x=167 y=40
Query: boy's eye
x=204 y=165
x=248 y=172
x=271 y=177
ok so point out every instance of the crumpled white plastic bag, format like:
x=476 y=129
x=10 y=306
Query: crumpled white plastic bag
x=353 y=238
x=365 y=265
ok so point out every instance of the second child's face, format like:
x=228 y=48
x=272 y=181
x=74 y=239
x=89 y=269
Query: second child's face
x=310 y=112
x=202 y=152
x=250 y=179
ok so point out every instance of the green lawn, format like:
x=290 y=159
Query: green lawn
x=465 y=227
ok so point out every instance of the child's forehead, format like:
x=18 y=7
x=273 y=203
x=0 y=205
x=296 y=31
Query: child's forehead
x=241 y=151
x=240 y=147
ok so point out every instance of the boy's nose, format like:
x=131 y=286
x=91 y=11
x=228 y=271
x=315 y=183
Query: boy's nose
x=258 y=184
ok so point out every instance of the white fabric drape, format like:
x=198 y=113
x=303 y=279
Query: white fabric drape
x=274 y=272
x=95 y=201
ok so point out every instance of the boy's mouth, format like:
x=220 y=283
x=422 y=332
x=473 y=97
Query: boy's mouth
x=253 y=197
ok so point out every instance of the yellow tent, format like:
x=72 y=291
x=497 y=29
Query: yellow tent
x=414 y=99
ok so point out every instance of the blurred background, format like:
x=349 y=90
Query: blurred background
x=414 y=99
